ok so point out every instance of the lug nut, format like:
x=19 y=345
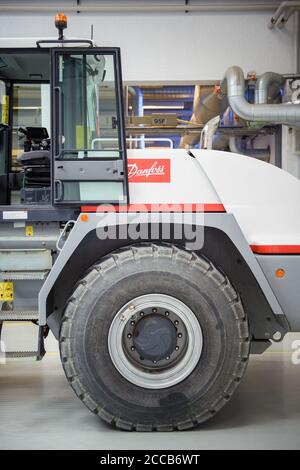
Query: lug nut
x=177 y=347
x=132 y=323
x=132 y=348
x=179 y=335
x=129 y=335
x=154 y=310
x=176 y=322
x=167 y=358
x=167 y=314
x=141 y=314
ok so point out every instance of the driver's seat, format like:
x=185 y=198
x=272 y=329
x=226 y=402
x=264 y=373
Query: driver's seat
x=36 y=166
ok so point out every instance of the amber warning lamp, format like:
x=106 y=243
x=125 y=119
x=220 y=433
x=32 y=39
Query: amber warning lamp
x=61 y=23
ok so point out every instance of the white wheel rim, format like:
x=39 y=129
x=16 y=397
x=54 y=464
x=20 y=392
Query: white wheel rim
x=164 y=378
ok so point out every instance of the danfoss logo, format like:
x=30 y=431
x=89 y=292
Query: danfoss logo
x=148 y=170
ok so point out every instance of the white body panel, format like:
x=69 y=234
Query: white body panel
x=189 y=183
x=264 y=199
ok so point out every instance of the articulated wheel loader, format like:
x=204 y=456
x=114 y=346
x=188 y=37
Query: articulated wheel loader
x=158 y=271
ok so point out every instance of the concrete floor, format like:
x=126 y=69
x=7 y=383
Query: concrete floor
x=39 y=411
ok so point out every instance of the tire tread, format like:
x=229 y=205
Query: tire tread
x=177 y=255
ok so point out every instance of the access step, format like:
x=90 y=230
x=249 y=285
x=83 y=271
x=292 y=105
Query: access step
x=20 y=354
x=23 y=275
x=18 y=315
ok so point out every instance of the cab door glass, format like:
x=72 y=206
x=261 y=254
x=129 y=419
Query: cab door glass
x=4 y=108
x=89 y=106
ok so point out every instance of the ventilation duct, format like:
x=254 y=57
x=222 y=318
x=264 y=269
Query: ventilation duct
x=267 y=87
x=205 y=107
x=234 y=86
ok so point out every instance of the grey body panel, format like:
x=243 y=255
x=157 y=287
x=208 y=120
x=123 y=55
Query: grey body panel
x=222 y=221
x=73 y=170
x=26 y=294
x=37 y=213
x=286 y=289
x=26 y=260
x=13 y=235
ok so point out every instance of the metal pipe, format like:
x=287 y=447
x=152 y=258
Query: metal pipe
x=285 y=18
x=210 y=128
x=219 y=7
x=267 y=86
x=234 y=82
x=281 y=11
x=233 y=146
x=297 y=41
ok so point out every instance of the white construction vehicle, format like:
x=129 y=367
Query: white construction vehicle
x=158 y=271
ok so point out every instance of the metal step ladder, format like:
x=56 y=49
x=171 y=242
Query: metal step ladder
x=14 y=316
x=25 y=262
x=13 y=346
x=23 y=275
x=18 y=315
x=20 y=354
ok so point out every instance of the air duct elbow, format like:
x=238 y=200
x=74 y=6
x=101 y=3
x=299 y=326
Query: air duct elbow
x=267 y=87
x=234 y=84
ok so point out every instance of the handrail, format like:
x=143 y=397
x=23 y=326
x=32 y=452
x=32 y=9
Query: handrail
x=64 y=41
x=134 y=139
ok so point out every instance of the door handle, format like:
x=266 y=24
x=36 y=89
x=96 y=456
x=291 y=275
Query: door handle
x=58 y=126
x=59 y=191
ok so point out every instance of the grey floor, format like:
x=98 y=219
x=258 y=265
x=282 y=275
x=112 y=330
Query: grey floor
x=38 y=410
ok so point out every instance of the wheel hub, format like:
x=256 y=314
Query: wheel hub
x=154 y=338
x=155 y=341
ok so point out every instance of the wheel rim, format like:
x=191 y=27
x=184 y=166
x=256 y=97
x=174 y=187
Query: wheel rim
x=155 y=341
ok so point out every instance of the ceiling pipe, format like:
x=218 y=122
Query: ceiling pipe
x=285 y=18
x=234 y=85
x=267 y=87
x=130 y=7
x=281 y=11
x=297 y=42
x=281 y=17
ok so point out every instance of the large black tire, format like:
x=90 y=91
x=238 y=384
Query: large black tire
x=132 y=272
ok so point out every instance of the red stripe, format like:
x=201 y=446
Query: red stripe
x=275 y=249
x=156 y=208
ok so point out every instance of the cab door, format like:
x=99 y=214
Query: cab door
x=88 y=136
x=4 y=144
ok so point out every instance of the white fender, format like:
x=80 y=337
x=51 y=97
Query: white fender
x=264 y=199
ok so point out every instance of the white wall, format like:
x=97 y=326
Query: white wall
x=172 y=47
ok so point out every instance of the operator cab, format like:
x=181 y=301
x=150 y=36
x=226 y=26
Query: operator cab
x=62 y=139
